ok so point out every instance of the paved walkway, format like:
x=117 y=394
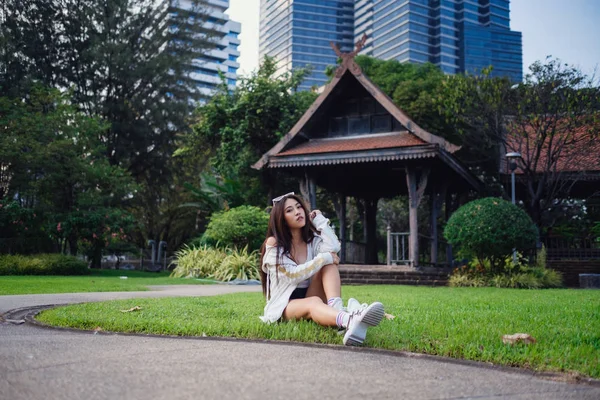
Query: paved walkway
x=38 y=363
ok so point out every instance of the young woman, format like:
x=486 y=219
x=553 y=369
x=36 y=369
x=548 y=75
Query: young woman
x=299 y=272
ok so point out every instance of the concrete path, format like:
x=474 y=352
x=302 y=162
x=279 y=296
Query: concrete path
x=39 y=363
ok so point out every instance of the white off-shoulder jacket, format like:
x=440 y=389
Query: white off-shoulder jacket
x=284 y=274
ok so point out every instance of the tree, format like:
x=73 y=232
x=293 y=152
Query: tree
x=551 y=119
x=555 y=124
x=489 y=229
x=128 y=61
x=239 y=126
x=55 y=166
x=477 y=106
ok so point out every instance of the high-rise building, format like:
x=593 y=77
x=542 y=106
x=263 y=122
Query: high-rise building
x=297 y=33
x=224 y=57
x=456 y=35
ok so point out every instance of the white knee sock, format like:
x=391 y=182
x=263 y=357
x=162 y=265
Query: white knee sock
x=342 y=319
x=336 y=302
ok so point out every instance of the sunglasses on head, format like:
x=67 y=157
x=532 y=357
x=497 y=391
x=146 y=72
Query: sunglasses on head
x=277 y=199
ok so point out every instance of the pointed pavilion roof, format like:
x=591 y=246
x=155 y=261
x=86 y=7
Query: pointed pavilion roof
x=414 y=135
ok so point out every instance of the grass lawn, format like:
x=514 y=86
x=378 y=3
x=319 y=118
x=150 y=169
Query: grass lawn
x=104 y=280
x=465 y=323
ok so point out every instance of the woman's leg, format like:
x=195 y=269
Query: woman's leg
x=311 y=308
x=326 y=283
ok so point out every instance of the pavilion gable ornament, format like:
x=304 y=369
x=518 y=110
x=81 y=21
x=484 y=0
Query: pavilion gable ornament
x=348 y=58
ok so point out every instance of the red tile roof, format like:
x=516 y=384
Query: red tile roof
x=357 y=143
x=582 y=155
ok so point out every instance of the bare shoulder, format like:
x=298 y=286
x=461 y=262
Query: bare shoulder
x=271 y=241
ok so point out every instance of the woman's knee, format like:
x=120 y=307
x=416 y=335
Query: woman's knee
x=313 y=303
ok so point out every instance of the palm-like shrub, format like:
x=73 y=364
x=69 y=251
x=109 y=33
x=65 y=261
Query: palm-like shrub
x=223 y=264
x=197 y=262
x=238 y=265
x=490 y=228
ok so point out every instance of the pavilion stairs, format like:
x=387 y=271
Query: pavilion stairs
x=357 y=274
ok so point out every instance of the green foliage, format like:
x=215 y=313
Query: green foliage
x=123 y=61
x=223 y=264
x=541 y=261
x=465 y=280
x=42 y=264
x=197 y=262
x=490 y=228
x=239 y=227
x=515 y=276
x=57 y=171
x=532 y=278
x=239 y=264
x=240 y=125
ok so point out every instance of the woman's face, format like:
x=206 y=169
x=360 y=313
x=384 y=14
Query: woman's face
x=295 y=217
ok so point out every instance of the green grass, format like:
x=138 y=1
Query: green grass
x=465 y=323
x=97 y=281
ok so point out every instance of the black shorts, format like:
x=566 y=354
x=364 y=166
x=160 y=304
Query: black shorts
x=298 y=293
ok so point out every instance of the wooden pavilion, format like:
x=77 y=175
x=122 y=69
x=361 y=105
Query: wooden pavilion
x=355 y=141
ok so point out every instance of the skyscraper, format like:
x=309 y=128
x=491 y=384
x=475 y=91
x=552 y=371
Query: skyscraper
x=224 y=57
x=456 y=35
x=298 y=32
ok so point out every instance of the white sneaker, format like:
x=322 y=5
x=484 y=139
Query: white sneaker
x=355 y=305
x=360 y=320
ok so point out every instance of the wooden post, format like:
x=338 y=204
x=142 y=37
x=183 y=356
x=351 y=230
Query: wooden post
x=448 y=212
x=433 y=230
x=415 y=194
x=371 y=230
x=389 y=245
x=343 y=228
x=437 y=198
x=304 y=187
x=312 y=192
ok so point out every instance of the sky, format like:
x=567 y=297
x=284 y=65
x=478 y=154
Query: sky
x=568 y=30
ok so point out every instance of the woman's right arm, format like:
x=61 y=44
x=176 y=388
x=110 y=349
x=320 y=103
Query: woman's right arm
x=292 y=271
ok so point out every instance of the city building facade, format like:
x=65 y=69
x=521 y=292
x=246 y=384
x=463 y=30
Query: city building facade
x=224 y=57
x=456 y=35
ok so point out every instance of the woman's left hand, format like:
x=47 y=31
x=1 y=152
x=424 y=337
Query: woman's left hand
x=314 y=213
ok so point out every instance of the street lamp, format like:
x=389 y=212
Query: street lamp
x=512 y=165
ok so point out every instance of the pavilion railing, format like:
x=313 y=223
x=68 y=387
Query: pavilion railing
x=397 y=248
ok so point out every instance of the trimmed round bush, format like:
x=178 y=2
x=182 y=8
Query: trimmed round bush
x=490 y=228
x=42 y=264
x=237 y=228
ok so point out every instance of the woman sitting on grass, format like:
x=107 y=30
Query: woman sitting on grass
x=299 y=272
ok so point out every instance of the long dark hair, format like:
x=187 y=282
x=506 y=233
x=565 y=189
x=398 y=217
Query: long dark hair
x=279 y=229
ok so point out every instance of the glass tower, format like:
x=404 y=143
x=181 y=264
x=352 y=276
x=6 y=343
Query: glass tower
x=456 y=35
x=297 y=33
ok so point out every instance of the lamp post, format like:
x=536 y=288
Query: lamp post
x=512 y=165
